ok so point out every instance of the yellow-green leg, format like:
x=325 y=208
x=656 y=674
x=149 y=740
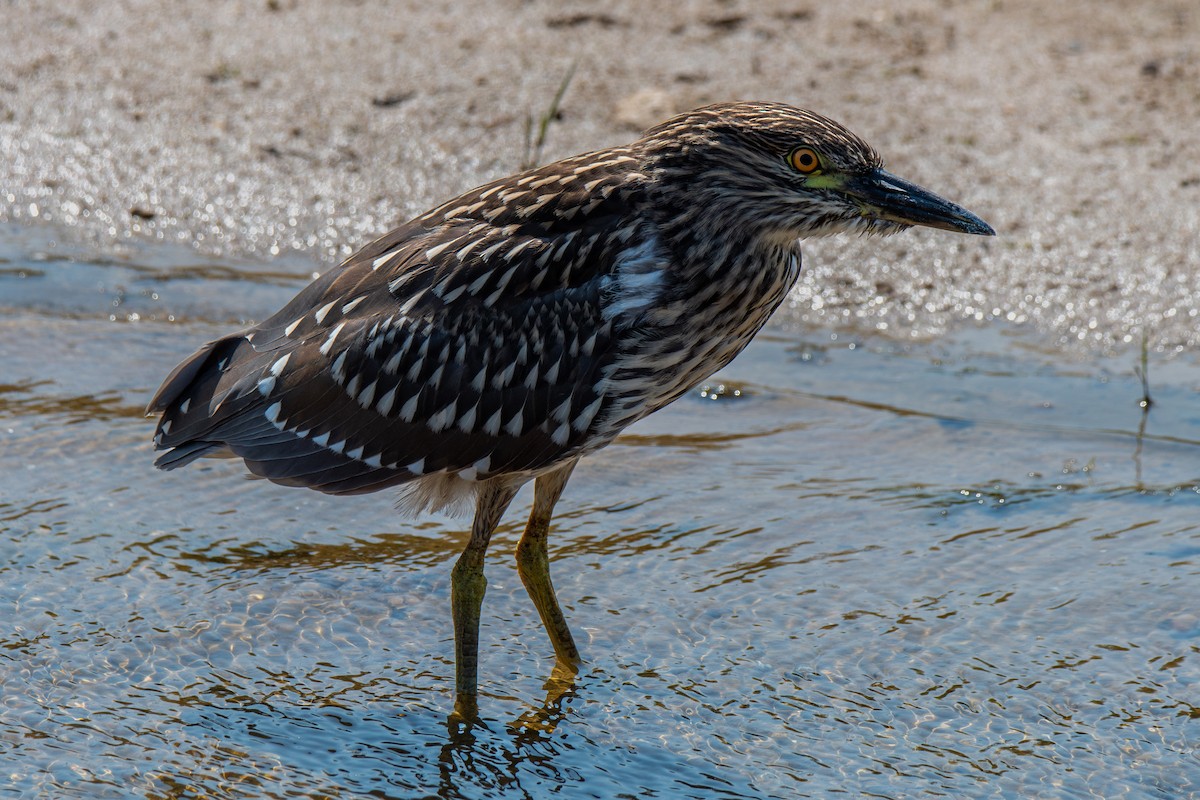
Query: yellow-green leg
x=467 y=587
x=533 y=565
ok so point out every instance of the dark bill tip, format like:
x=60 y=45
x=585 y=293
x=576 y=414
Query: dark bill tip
x=888 y=197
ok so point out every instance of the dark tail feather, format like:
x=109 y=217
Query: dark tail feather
x=188 y=396
x=185 y=454
x=181 y=378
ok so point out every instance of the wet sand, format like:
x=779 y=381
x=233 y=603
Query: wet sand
x=286 y=128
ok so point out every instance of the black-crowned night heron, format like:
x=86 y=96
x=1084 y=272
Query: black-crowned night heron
x=518 y=327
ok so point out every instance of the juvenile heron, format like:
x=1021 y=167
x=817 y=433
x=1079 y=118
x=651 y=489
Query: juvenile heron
x=505 y=334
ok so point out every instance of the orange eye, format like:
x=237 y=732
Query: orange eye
x=804 y=160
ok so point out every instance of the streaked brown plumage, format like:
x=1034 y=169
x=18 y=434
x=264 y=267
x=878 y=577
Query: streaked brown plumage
x=512 y=330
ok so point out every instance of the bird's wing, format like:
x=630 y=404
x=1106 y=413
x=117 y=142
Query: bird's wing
x=471 y=340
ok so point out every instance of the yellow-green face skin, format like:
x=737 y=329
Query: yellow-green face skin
x=824 y=180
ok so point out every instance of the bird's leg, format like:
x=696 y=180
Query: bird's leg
x=533 y=565
x=467 y=586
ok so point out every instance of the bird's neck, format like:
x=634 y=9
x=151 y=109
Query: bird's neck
x=706 y=239
x=704 y=254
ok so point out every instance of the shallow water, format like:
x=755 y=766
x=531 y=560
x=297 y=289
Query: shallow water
x=964 y=568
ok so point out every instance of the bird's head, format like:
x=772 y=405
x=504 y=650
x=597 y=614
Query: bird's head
x=784 y=173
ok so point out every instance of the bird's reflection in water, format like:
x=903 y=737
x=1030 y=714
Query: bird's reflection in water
x=560 y=687
x=374 y=749
x=473 y=756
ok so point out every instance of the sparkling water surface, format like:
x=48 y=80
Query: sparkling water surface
x=847 y=567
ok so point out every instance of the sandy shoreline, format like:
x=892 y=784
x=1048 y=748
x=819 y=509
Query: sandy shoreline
x=284 y=127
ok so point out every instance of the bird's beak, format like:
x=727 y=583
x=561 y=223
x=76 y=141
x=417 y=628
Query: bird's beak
x=884 y=196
